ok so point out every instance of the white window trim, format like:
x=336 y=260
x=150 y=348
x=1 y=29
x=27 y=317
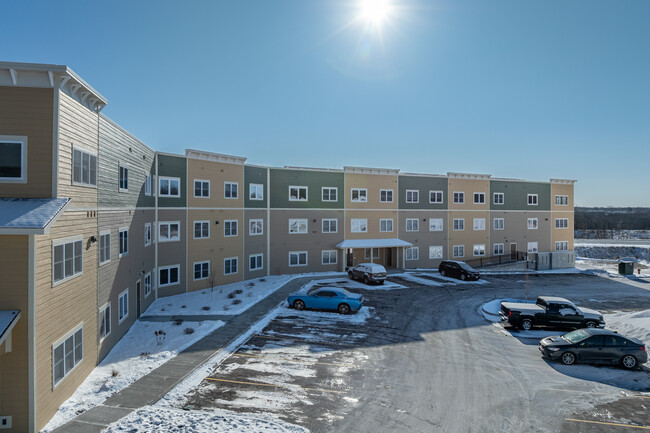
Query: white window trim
x=359 y=200
x=144 y=285
x=474 y=250
x=558 y=225
x=474 y=197
x=360 y=221
x=330 y=225
x=298 y=196
x=299 y=252
x=528 y=249
x=494 y=223
x=119 y=303
x=417 y=223
x=392 y=193
x=559 y=196
x=168 y=224
x=194 y=270
x=453 y=224
x=148 y=182
x=536 y=199
x=22 y=139
x=412 y=250
x=442 y=225
x=414 y=192
x=194 y=229
x=255 y=185
x=224 y=190
x=494 y=198
x=236 y=259
x=455 y=247
x=145 y=234
x=224 y=228
x=104 y=233
x=102 y=314
x=249 y=261
x=557 y=243
x=91 y=153
x=329 y=255
x=479 y=220
x=392 y=224
x=299 y=221
x=170 y=195
x=119 y=241
x=536 y=224
x=169 y=267
x=441 y=195
x=119 y=169
x=202 y=181
x=370 y=251
x=255 y=220
x=322 y=190
x=64 y=241
x=431 y=251
x=503 y=250
x=453 y=198
x=60 y=341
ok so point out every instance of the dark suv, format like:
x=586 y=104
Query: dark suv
x=451 y=268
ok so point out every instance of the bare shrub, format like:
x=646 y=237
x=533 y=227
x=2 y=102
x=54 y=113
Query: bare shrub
x=178 y=322
x=114 y=373
x=236 y=301
x=189 y=331
x=205 y=308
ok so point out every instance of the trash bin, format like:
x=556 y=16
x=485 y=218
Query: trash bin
x=626 y=268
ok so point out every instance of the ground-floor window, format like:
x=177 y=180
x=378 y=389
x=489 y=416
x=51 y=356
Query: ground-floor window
x=328 y=257
x=479 y=249
x=230 y=266
x=67 y=353
x=459 y=250
x=123 y=304
x=298 y=258
x=498 y=249
x=412 y=253
x=435 y=252
x=201 y=270
x=256 y=261
x=147 y=284
x=105 y=321
x=373 y=251
x=532 y=247
x=562 y=246
x=168 y=275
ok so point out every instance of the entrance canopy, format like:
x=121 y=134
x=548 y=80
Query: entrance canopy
x=373 y=243
x=7 y=321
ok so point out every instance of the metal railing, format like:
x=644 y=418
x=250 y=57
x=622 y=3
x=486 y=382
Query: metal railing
x=480 y=262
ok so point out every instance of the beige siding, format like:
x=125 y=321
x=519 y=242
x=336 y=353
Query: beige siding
x=374 y=183
x=469 y=237
x=217 y=173
x=561 y=189
x=562 y=234
x=469 y=187
x=373 y=218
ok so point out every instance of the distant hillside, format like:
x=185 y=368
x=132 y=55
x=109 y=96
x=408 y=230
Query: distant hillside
x=612 y=218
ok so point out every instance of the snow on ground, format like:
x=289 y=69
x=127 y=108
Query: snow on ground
x=153 y=419
x=134 y=356
x=609 y=267
x=348 y=284
x=411 y=277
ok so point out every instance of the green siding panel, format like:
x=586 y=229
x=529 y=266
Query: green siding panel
x=424 y=184
x=516 y=195
x=256 y=175
x=314 y=180
x=173 y=166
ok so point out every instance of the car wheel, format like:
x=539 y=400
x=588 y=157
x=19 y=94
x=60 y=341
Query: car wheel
x=443 y=273
x=381 y=282
x=298 y=305
x=591 y=324
x=463 y=277
x=526 y=324
x=365 y=279
x=629 y=362
x=350 y=275
x=568 y=358
x=344 y=308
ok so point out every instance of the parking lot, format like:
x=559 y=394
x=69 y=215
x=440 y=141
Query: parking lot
x=420 y=357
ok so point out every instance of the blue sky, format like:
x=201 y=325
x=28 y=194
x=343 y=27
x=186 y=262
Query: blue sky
x=534 y=90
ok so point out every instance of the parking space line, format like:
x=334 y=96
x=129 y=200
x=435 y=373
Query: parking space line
x=608 y=423
x=294 y=361
x=273 y=386
x=597 y=393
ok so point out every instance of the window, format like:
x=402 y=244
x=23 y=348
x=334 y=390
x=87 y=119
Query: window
x=104 y=246
x=479 y=249
x=532 y=223
x=201 y=188
x=124 y=242
x=561 y=223
x=562 y=246
x=498 y=249
x=498 y=223
x=412 y=224
x=459 y=251
x=84 y=168
x=412 y=253
x=201 y=270
x=297 y=226
x=435 y=252
x=255 y=227
x=479 y=198
x=436 y=225
x=498 y=198
x=104 y=321
x=297 y=193
x=230 y=228
x=68 y=258
x=230 y=189
x=386 y=195
x=230 y=266
x=359 y=225
x=532 y=247
x=373 y=251
x=124 y=178
x=147 y=234
x=169 y=231
x=13 y=159
x=123 y=304
x=298 y=258
x=169 y=187
x=359 y=194
x=386 y=225
x=330 y=225
x=328 y=257
x=256 y=191
x=147 y=284
x=67 y=353
x=479 y=223
x=435 y=196
x=168 y=275
x=329 y=193
x=201 y=229
x=459 y=197
x=562 y=200
x=147 y=184
x=412 y=196
x=459 y=224
x=532 y=199
x=256 y=262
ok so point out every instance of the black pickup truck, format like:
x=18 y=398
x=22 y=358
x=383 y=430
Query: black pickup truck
x=550 y=311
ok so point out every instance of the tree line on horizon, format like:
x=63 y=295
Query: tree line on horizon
x=612 y=218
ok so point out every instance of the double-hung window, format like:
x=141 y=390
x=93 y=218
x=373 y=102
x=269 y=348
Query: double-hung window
x=201 y=188
x=459 y=197
x=168 y=275
x=386 y=195
x=67 y=353
x=412 y=253
x=359 y=225
x=479 y=224
x=479 y=249
x=255 y=227
x=104 y=246
x=230 y=228
x=562 y=200
x=147 y=284
x=68 y=258
x=201 y=229
x=147 y=234
x=412 y=224
x=561 y=246
x=532 y=199
x=297 y=193
x=84 y=167
x=256 y=191
x=386 y=225
x=201 y=270
x=459 y=224
x=328 y=257
x=371 y=253
x=123 y=306
x=298 y=258
x=498 y=249
x=498 y=198
x=329 y=193
x=169 y=187
x=498 y=223
x=230 y=190
x=412 y=196
x=13 y=157
x=297 y=225
x=479 y=198
x=123 y=178
x=124 y=242
x=435 y=197
x=561 y=223
x=256 y=262
x=359 y=195
x=532 y=223
x=436 y=225
x=330 y=225
x=458 y=251
x=169 y=231
x=105 y=321
x=435 y=252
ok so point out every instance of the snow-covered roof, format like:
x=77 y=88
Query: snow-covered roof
x=8 y=319
x=373 y=243
x=29 y=215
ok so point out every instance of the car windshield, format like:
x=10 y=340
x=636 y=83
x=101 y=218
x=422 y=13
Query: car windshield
x=576 y=336
x=337 y=290
x=466 y=267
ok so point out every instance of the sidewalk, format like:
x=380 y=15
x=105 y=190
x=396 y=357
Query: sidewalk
x=155 y=385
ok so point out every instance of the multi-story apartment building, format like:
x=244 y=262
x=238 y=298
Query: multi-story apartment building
x=95 y=225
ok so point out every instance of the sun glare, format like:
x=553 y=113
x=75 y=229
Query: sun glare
x=374 y=12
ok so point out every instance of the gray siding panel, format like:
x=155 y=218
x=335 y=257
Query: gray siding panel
x=424 y=184
x=256 y=244
x=257 y=175
x=314 y=180
x=173 y=166
x=516 y=195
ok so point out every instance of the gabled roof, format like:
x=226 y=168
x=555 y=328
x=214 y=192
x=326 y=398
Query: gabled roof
x=29 y=216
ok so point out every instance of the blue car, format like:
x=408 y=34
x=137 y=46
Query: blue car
x=327 y=298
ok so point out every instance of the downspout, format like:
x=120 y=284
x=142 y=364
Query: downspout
x=268 y=222
x=155 y=229
x=31 y=331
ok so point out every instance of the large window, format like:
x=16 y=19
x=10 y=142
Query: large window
x=436 y=225
x=230 y=266
x=13 y=159
x=562 y=200
x=412 y=196
x=297 y=193
x=297 y=225
x=230 y=228
x=479 y=223
x=169 y=231
x=459 y=197
x=84 y=167
x=412 y=253
x=104 y=321
x=298 y=258
x=532 y=199
x=435 y=197
x=561 y=223
x=256 y=191
x=123 y=304
x=329 y=193
x=68 y=258
x=201 y=270
x=201 y=229
x=479 y=249
x=386 y=195
x=123 y=178
x=459 y=224
x=498 y=198
x=169 y=187
x=532 y=223
x=124 y=242
x=255 y=227
x=230 y=189
x=168 y=275
x=328 y=257
x=498 y=223
x=498 y=250
x=256 y=262
x=386 y=225
x=359 y=195
x=359 y=225
x=479 y=198
x=371 y=253
x=147 y=234
x=67 y=353
x=435 y=252
x=561 y=246
x=330 y=225
x=412 y=224
x=104 y=246
x=458 y=250
x=201 y=188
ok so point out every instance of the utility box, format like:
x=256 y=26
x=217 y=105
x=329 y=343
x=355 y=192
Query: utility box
x=626 y=268
x=543 y=262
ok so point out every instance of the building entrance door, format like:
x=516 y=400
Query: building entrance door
x=349 y=258
x=513 y=251
x=389 y=257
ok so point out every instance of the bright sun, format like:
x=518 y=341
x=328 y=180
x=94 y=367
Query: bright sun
x=374 y=12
